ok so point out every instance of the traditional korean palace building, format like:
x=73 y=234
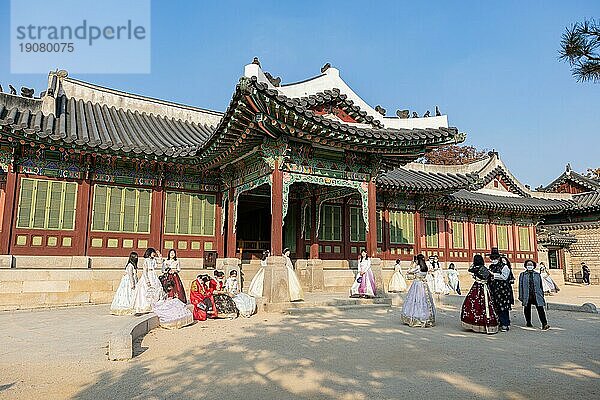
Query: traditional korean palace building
x=91 y=174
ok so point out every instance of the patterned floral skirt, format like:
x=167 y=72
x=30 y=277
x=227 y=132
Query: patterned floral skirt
x=225 y=306
x=478 y=312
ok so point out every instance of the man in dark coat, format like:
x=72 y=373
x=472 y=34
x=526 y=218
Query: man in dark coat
x=585 y=270
x=500 y=289
x=531 y=293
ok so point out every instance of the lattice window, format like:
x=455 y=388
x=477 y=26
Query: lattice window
x=402 y=227
x=120 y=209
x=524 y=244
x=431 y=233
x=458 y=235
x=502 y=234
x=331 y=223
x=480 y=237
x=190 y=214
x=46 y=204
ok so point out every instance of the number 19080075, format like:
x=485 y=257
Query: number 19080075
x=46 y=47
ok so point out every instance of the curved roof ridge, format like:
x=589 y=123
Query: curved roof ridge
x=474 y=167
x=77 y=89
x=330 y=79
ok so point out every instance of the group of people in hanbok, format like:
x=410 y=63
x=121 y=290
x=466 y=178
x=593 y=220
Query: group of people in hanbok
x=487 y=305
x=165 y=295
x=294 y=287
x=486 y=308
x=162 y=295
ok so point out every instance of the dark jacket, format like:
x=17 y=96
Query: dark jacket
x=524 y=288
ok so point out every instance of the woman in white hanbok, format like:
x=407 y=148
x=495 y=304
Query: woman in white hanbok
x=246 y=304
x=453 y=279
x=364 y=282
x=418 y=309
x=296 y=292
x=256 y=285
x=149 y=289
x=439 y=284
x=122 y=303
x=397 y=283
x=548 y=285
x=172 y=313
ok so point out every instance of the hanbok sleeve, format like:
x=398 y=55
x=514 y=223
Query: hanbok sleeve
x=176 y=266
x=131 y=275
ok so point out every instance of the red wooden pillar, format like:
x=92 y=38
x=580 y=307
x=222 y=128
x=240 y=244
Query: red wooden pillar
x=82 y=217
x=277 y=211
x=533 y=241
x=158 y=216
x=218 y=223
x=372 y=210
x=417 y=232
x=10 y=207
x=516 y=241
x=314 y=240
x=385 y=231
x=231 y=235
x=471 y=236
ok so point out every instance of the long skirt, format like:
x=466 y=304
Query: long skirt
x=178 y=290
x=296 y=292
x=245 y=304
x=439 y=285
x=256 y=285
x=477 y=311
x=147 y=295
x=225 y=306
x=397 y=283
x=418 y=308
x=366 y=286
x=172 y=313
x=548 y=284
x=122 y=303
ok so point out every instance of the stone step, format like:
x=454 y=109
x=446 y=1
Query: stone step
x=324 y=309
x=339 y=302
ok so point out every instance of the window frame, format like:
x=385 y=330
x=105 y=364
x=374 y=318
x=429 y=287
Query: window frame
x=204 y=199
x=123 y=190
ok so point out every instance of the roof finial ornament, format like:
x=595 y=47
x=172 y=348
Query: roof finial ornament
x=437 y=112
x=1 y=90
x=325 y=67
x=415 y=115
x=12 y=89
x=403 y=114
x=427 y=114
x=274 y=81
x=380 y=109
x=568 y=168
x=256 y=61
x=27 y=92
x=62 y=73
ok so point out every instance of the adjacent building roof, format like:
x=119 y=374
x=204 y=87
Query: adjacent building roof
x=497 y=203
x=406 y=179
x=571 y=176
x=586 y=202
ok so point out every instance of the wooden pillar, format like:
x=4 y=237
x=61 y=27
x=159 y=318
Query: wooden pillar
x=385 y=231
x=516 y=242
x=158 y=216
x=314 y=240
x=10 y=207
x=219 y=236
x=448 y=227
x=471 y=235
x=277 y=211
x=372 y=210
x=533 y=242
x=417 y=232
x=442 y=242
x=83 y=214
x=231 y=235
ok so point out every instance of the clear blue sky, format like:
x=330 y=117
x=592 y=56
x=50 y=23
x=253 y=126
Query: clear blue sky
x=492 y=69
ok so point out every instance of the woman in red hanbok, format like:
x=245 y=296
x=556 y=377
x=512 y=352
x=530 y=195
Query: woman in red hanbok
x=172 y=268
x=477 y=311
x=201 y=296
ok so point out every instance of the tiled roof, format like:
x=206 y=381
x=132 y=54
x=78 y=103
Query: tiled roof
x=586 y=202
x=94 y=126
x=420 y=181
x=570 y=175
x=489 y=202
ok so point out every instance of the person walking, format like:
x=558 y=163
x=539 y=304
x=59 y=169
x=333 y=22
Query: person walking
x=585 y=270
x=477 y=312
x=531 y=293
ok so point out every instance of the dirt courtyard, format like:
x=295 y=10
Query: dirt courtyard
x=353 y=354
